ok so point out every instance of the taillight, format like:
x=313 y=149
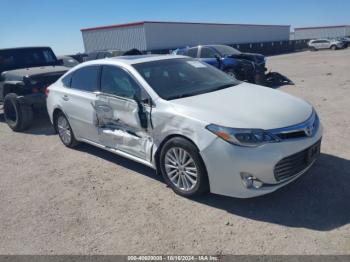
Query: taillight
x=35 y=90
x=47 y=91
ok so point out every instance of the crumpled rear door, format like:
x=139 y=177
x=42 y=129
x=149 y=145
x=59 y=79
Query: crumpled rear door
x=119 y=126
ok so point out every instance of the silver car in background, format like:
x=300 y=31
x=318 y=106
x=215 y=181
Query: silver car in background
x=318 y=44
x=201 y=129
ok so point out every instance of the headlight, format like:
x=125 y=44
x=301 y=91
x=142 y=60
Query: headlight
x=243 y=136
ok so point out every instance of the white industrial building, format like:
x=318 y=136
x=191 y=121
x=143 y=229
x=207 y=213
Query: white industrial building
x=321 y=32
x=150 y=35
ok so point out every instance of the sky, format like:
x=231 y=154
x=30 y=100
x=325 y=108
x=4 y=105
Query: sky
x=57 y=23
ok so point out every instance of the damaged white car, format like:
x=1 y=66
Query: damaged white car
x=200 y=128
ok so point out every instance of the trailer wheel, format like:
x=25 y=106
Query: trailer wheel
x=18 y=116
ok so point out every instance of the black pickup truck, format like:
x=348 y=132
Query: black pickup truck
x=25 y=73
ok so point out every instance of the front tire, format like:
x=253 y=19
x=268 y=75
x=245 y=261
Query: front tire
x=230 y=72
x=182 y=168
x=333 y=47
x=65 y=131
x=18 y=116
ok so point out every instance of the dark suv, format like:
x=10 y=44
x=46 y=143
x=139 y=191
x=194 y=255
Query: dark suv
x=25 y=73
x=243 y=66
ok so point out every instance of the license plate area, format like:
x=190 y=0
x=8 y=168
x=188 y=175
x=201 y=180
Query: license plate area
x=313 y=152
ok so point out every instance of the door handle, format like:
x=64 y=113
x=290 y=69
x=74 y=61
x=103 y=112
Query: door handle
x=65 y=97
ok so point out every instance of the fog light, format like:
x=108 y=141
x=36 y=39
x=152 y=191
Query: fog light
x=257 y=183
x=251 y=181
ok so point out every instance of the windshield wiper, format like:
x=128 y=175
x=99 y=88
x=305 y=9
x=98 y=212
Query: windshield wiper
x=180 y=96
x=200 y=92
x=222 y=87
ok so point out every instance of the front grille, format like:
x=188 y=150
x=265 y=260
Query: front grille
x=292 y=165
x=297 y=134
x=302 y=130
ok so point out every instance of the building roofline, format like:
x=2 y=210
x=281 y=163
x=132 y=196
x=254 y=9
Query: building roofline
x=165 y=22
x=320 y=27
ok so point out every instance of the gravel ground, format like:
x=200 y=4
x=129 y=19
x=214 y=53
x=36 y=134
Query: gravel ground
x=56 y=200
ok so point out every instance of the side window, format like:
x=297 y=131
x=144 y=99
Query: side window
x=66 y=81
x=192 y=52
x=116 y=81
x=85 y=79
x=49 y=56
x=207 y=53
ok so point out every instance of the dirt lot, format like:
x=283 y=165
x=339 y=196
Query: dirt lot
x=55 y=200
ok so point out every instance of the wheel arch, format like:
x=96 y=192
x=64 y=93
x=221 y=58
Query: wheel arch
x=156 y=156
x=55 y=113
x=8 y=88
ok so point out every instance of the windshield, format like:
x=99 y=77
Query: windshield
x=177 y=78
x=29 y=57
x=225 y=50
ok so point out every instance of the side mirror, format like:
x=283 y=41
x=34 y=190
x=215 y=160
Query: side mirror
x=218 y=59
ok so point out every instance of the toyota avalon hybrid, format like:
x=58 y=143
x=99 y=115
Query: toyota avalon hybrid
x=202 y=130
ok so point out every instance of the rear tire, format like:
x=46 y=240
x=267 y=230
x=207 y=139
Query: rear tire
x=183 y=168
x=333 y=47
x=65 y=131
x=18 y=116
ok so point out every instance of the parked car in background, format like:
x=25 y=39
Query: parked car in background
x=197 y=126
x=68 y=61
x=25 y=73
x=79 y=57
x=243 y=66
x=110 y=53
x=318 y=44
x=345 y=40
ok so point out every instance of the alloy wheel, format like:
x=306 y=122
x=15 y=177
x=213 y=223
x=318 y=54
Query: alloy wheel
x=181 y=168
x=64 y=130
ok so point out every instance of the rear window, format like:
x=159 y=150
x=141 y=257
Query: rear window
x=29 y=57
x=67 y=80
x=85 y=79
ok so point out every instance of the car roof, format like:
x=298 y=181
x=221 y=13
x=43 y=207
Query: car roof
x=135 y=59
x=26 y=47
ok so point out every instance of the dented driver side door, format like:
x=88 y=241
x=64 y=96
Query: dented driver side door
x=121 y=120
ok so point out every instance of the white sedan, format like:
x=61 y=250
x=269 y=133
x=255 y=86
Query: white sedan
x=201 y=129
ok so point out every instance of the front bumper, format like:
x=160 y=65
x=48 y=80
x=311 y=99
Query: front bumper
x=225 y=162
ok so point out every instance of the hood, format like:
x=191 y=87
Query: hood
x=245 y=106
x=257 y=58
x=36 y=71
